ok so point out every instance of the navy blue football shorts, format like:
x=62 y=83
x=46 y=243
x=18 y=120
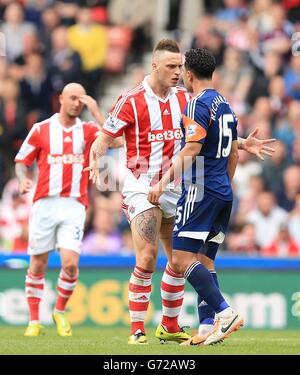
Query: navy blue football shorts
x=201 y=226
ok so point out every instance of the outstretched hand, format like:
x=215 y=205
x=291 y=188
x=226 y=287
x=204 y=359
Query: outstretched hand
x=93 y=168
x=257 y=146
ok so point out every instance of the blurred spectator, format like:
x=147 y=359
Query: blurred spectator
x=104 y=237
x=294 y=221
x=278 y=99
x=174 y=8
x=116 y=200
x=248 y=202
x=294 y=115
x=34 y=9
x=50 y=20
x=296 y=151
x=260 y=117
x=36 y=88
x=278 y=38
x=286 y=126
x=283 y=246
x=265 y=129
x=12 y=115
x=271 y=66
x=65 y=64
x=90 y=41
x=31 y=45
x=68 y=10
x=212 y=6
x=238 y=35
x=293 y=8
x=119 y=42
x=127 y=248
x=137 y=75
x=137 y=15
x=3 y=71
x=229 y=15
x=261 y=19
x=243 y=241
x=215 y=43
x=273 y=169
x=262 y=110
x=287 y=196
x=292 y=78
x=267 y=218
x=205 y=24
x=256 y=186
x=236 y=77
x=292 y=130
x=14 y=216
x=14 y=28
x=12 y=126
x=246 y=168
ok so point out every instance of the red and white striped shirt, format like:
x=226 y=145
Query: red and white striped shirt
x=151 y=126
x=61 y=154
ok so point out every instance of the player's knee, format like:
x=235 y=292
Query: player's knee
x=148 y=261
x=71 y=270
x=174 y=266
x=38 y=265
x=178 y=267
x=179 y=262
x=38 y=268
x=208 y=263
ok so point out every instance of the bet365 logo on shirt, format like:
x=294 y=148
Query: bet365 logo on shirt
x=164 y=135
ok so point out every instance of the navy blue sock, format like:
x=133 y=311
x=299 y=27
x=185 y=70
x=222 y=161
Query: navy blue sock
x=203 y=282
x=205 y=312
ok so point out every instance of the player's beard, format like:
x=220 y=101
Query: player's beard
x=72 y=116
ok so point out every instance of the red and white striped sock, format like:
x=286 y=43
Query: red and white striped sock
x=65 y=288
x=172 y=292
x=34 y=286
x=139 y=296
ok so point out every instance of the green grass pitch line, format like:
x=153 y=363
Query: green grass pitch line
x=111 y=341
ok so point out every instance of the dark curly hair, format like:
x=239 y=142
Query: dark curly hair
x=201 y=62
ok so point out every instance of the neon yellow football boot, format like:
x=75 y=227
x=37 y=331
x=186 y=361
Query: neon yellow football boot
x=34 y=330
x=62 y=325
x=164 y=335
x=138 y=338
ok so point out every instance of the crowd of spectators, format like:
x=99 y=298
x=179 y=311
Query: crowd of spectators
x=50 y=43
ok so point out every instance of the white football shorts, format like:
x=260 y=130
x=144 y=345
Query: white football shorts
x=135 y=198
x=56 y=222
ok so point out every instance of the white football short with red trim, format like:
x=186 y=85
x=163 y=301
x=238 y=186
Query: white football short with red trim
x=56 y=222
x=135 y=198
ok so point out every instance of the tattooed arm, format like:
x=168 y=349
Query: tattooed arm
x=98 y=149
x=24 y=178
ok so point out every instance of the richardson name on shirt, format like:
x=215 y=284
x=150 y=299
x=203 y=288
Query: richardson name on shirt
x=66 y=159
x=164 y=135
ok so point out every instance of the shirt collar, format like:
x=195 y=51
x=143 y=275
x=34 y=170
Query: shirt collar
x=55 y=121
x=150 y=92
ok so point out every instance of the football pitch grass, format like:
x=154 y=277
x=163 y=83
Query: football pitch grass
x=113 y=341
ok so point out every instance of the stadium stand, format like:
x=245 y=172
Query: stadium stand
x=258 y=71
